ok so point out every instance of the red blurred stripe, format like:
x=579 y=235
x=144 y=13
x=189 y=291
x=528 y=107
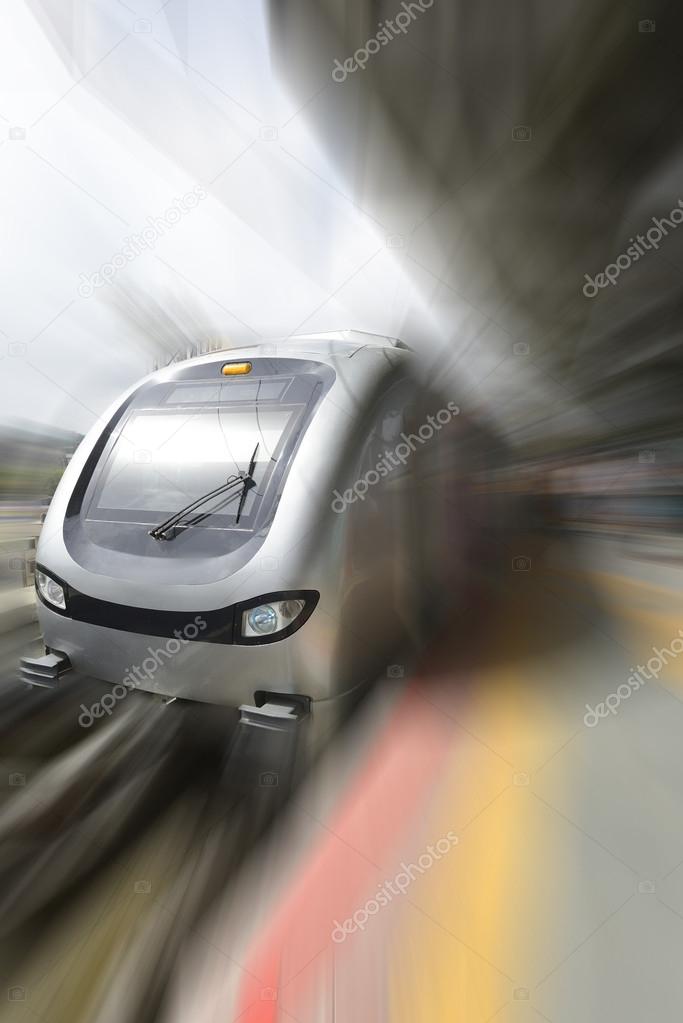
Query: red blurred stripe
x=375 y=812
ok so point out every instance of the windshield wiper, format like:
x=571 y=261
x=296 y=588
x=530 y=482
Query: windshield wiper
x=245 y=480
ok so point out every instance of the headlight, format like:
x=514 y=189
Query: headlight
x=51 y=592
x=266 y=619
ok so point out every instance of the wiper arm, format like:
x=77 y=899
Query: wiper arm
x=249 y=479
x=159 y=532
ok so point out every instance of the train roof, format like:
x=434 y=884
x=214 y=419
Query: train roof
x=338 y=341
x=336 y=344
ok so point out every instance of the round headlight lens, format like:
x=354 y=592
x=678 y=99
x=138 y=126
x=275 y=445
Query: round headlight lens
x=263 y=619
x=51 y=591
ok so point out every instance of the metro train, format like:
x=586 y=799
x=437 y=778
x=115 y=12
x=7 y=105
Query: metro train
x=269 y=526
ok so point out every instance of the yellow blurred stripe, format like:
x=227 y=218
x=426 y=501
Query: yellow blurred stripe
x=458 y=953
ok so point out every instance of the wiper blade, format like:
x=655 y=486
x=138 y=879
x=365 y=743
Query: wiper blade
x=159 y=532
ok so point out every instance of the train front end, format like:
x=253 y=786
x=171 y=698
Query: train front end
x=176 y=554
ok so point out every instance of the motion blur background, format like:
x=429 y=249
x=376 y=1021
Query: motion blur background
x=454 y=192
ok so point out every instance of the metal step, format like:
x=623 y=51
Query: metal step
x=265 y=754
x=277 y=716
x=44 y=671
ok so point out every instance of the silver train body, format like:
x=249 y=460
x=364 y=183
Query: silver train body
x=345 y=536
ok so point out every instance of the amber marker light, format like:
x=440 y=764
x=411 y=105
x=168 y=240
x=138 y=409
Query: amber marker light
x=235 y=369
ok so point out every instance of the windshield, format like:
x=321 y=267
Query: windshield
x=177 y=438
x=164 y=459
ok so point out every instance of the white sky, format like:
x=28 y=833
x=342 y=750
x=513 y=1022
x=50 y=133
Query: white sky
x=266 y=253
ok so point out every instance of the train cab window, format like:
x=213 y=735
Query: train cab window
x=235 y=391
x=180 y=439
x=164 y=460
